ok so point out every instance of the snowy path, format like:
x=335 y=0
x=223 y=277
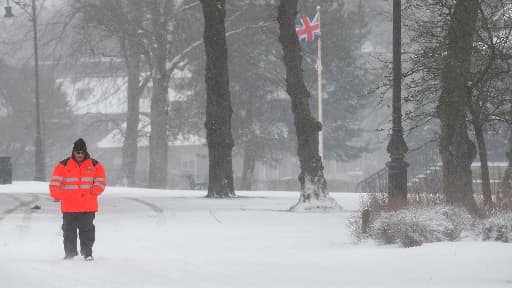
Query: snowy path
x=158 y=238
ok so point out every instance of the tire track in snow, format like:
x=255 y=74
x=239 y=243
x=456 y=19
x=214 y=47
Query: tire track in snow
x=159 y=212
x=21 y=204
x=214 y=216
x=27 y=212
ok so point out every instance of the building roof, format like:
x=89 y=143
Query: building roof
x=107 y=95
x=115 y=138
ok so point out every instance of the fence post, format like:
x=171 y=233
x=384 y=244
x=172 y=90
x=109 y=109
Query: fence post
x=365 y=216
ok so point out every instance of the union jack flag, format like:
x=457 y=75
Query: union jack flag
x=308 y=28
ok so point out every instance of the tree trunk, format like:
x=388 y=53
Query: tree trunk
x=456 y=148
x=218 y=101
x=313 y=185
x=129 y=151
x=248 y=167
x=506 y=183
x=131 y=53
x=249 y=161
x=158 y=144
x=158 y=139
x=484 y=165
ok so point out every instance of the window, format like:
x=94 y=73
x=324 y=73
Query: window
x=189 y=165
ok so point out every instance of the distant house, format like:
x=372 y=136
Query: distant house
x=187 y=166
x=99 y=100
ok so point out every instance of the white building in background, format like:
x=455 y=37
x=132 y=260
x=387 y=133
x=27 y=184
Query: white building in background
x=100 y=102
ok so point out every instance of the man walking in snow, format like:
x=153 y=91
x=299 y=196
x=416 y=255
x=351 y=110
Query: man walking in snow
x=76 y=182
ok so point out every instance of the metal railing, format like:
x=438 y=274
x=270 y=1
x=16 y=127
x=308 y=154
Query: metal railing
x=424 y=173
x=375 y=183
x=422 y=161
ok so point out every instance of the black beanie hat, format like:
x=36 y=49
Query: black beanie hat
x=80 y=145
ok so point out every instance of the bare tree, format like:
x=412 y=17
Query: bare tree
x=489 y=68
x=314 y=194
x=157 y=39
x=457 y=149
x=121 y=20
x=132 y=50
x=218 y=101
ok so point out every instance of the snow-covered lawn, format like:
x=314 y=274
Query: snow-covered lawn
x=162 y=238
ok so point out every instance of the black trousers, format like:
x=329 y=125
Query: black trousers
x=83 y=221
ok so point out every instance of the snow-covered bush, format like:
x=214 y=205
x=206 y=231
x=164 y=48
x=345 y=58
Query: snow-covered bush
x=372 y=202
x=426 y=220
x=414 y=226
x=497 y=228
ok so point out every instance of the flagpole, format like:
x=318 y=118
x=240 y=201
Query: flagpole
x=319 y=85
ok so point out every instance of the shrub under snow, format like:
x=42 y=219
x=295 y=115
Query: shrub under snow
x=413 y=227
x=497 y=228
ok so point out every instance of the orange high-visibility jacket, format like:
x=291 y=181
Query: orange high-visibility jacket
x=77 y=186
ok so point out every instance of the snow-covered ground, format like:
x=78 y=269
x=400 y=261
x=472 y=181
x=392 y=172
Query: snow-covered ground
x=162 y=238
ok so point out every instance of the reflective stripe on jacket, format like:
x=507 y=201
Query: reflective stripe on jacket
x=77 y=186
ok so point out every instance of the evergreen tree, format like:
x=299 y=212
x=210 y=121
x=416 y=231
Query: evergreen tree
x=17 y=118
x=347 y=76
x=262 y=127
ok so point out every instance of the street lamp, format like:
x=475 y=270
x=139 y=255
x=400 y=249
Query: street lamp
x=38 y=143
x=397 y=148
